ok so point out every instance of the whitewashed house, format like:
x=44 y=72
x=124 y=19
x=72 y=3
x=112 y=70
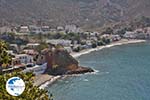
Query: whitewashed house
x=32 y=45
x=89 y=43
x=115 y=37
x=24 y=30
x=35 y=29
x=129 y=35
x=69 y=49
x=37 y=69
x=60 y=28
x=24 y=58
x=73 y=29
x=59 y=41
x=45 y=29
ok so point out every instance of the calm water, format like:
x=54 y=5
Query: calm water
x=124 y=74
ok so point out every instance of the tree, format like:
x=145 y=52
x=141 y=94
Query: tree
x=77 y=49
x=94 y=45
x=57 y=36
x=100 y=43
x=4 y=56
x=106 y=40
x=108 y=31
x=31 y=92
x=42 y=46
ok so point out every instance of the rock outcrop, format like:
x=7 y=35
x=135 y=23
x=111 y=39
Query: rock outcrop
x=60 y=62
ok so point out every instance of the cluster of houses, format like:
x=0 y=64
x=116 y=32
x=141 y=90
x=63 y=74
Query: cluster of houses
x=28 y=59
x=27 y=55
x=35 y=29
x=85 y=43
x=142 y=33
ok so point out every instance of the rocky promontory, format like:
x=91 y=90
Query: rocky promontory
x=60 y=62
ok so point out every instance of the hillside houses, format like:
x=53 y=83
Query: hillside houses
x=43 y=29
x=24 y=29
x=59 y=41
x=32 y=45
x=35 y=29
x=138 y=34
x=24 y=58
x=72 y=29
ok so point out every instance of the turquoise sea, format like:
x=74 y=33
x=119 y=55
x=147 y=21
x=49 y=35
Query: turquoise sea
x=123 y=73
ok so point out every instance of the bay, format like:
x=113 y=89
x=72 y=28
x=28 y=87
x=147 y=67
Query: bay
x=122 y=73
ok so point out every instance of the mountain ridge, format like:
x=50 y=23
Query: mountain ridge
x=84 y=13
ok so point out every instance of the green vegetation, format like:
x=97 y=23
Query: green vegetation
x=100 y=43
x=42 y=46
x=14 y=39
x=31 y=92
x=108 y=31
x=142 y=21
x=77 y=49
x=5 y=59
x=94 y=45
x=106 y=40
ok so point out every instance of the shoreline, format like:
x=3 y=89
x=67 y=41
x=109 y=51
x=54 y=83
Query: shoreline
x=53 y=79
x=50 y=81
x=117 y=43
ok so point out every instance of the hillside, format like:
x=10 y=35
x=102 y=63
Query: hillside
x=85 y=13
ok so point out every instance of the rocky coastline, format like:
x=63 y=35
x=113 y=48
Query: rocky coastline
x=72 y=66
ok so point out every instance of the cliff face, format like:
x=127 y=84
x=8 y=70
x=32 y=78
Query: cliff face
x=61 y=62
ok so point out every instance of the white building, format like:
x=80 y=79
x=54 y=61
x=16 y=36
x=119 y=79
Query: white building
x=69 y=49
x=14 y=47
x=45 y=29
x=24 y=58
x=72 y=29
x=105 y=36
x=148 y=30
x=115 y=37
x=60 y=28
x=35 y=29
x=32 y=45
x=37 y=69
x=24 y=29
x=59 y=41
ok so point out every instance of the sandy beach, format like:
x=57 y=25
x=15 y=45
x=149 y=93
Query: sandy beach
x=121 y=42
x=44 y=80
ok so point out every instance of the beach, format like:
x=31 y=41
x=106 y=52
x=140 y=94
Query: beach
x=117 y=43
x=44 y=80
x=123 y=74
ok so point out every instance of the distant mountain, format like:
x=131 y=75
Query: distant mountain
x=85 y=13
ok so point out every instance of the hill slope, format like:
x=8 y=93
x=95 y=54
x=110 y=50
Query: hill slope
x=85 y=13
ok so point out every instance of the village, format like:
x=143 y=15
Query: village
x=29 y=55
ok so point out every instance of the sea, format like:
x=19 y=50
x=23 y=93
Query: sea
x=121 y=73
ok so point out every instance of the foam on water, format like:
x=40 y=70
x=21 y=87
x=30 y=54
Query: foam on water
x=121 y=74
x=85 y=80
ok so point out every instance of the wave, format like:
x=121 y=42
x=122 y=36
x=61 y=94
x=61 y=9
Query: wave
x=85 y=80
x=51 y=81
x=89 y=51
